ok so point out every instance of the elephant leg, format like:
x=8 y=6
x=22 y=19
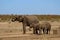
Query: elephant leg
x=40 y=32
x=24 y=29
x=36 y=31
x=47 y=31
x=44 y=31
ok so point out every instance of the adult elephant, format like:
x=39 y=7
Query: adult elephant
x=27 y=20
x=46 y=27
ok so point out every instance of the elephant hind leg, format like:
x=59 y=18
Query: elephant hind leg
x=47 y=31
x=43 y=31
x=40 y=32
x=36 y=31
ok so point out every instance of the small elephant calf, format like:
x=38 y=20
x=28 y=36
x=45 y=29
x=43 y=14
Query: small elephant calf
x=36 y=28
x=39 y=27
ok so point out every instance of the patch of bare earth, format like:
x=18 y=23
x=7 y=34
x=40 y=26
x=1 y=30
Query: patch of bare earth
x=13 y=31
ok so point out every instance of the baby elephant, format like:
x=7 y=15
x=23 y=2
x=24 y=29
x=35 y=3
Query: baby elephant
x=36 y=28
x=46 y=27
x=39 y=27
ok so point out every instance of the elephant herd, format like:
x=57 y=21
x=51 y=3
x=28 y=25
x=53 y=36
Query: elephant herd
x=33 y=22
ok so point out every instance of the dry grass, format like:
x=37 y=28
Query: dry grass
x=13 y=31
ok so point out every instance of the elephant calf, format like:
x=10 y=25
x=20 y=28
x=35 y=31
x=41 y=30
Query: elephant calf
x=45 y=27
x=36 y=28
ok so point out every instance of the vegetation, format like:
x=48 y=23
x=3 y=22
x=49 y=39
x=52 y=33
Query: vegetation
x=49 y=17
x=4 y=18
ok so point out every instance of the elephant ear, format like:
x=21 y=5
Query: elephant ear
x=20 y=18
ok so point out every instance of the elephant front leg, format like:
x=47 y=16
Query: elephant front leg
x=36 y=31
x=24 y=29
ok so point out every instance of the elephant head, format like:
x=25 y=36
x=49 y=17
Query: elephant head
x=14 y=19
x=18 y=18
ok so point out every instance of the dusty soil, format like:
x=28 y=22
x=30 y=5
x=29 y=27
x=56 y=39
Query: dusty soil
x=13 y=31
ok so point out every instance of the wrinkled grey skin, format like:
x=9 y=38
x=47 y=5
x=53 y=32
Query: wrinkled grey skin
x=28 y=21
x=46 y=26
x=37 y=28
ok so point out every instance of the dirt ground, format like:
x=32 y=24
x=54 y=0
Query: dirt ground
x=13 y=31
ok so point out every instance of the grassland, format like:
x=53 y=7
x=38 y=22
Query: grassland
x=4 y=18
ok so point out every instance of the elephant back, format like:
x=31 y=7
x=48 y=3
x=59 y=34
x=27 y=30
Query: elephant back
x=31 y=19
x=45 y=25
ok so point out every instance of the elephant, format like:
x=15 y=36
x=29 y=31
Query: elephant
x=27 y=20
x=37 y=28
x=46 y=27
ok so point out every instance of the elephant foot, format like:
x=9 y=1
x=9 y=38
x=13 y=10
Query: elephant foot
x=39 y=34
x=24 y=32
x=36 y=32
x=46 y=33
